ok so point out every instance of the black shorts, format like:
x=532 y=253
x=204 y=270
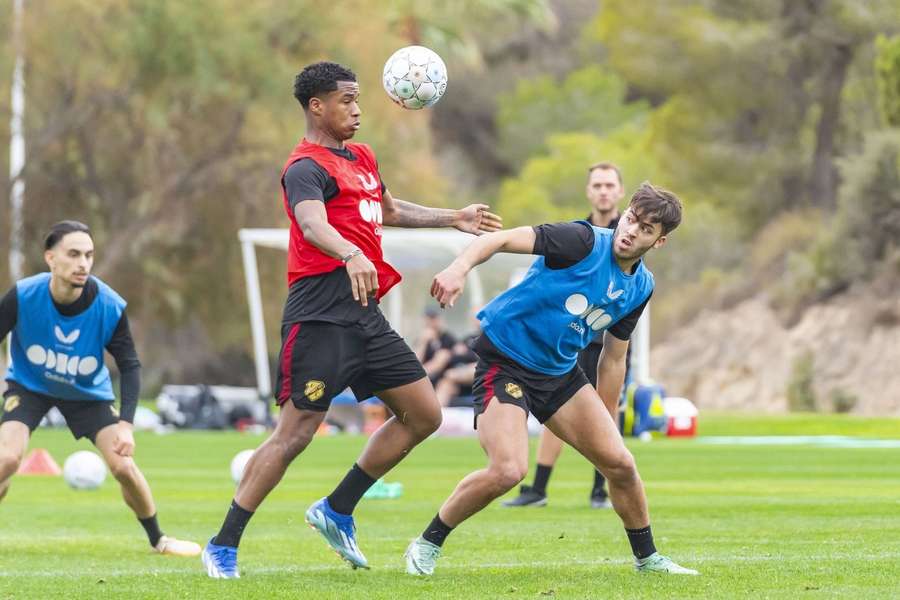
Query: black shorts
x=84 y=417
x=319 y=360
x=498 y=376
x=588 y=359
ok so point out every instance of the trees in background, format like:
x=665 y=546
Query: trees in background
x=163 y=125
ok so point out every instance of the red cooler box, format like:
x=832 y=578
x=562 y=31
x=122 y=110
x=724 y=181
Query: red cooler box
x=681 y=417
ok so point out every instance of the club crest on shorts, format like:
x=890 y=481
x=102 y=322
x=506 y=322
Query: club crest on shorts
x=114 y=411
x=11 y=404
x=314 y=389
x=514 y=390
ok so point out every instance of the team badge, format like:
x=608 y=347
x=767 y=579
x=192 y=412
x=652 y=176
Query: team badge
x=514 y=390
x=314 y=390
x=11 y=404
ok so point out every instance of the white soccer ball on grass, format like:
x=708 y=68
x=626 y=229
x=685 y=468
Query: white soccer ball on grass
x=239 y=463
x=84 y=470
x=415 y=77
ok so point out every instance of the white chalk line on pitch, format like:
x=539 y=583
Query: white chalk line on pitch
x=617 y=563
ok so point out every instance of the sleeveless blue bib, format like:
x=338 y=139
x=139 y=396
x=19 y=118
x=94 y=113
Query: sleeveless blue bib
x=61 y=356
x=544 y=321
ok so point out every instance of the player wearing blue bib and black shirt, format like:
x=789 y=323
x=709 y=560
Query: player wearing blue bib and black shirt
x=61 y=322
x=586 y=280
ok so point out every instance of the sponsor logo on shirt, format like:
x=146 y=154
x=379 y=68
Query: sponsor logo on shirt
x=595 y=317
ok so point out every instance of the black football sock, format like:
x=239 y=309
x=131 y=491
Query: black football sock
x=233 y=527
x=641 y=542
x=437 y=531
x=151 y=526
x=348 y=493
x=541 y=477
x=599 y=485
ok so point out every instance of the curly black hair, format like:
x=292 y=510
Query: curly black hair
x=318 y=78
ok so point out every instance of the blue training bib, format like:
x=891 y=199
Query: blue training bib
x=62 y=356
x=544 y=321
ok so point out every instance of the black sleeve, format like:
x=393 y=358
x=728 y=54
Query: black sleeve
x=121 y=346
x=306 y=180
x=9 y=308
x=623 y=327
x=563 y=244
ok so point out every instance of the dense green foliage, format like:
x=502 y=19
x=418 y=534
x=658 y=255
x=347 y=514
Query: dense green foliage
x=757 y=521
x=164 y=124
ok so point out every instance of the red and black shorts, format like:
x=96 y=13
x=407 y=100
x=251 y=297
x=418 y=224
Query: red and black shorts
x=319 y=360
x=498 y=376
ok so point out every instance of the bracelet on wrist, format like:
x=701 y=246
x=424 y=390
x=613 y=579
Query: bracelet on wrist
x=350 y=255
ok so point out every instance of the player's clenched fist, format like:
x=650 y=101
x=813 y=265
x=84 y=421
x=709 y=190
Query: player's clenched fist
x=447 y=286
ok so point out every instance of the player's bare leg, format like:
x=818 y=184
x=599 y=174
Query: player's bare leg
x=293 y=433
x=548 y=451
x=586 y=424
x=549 y=448
x=137 y=495
x=13 y=443
x=503 y=433
x=417 y=414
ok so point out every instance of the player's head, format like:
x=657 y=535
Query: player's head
x=329 y=94
x=652 y=214
x=433 y=318
x=69 y=252
x=604 y=187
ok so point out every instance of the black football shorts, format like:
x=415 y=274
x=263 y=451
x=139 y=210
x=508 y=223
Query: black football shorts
x=318 y=360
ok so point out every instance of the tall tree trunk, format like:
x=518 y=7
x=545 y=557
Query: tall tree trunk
x=823 y=177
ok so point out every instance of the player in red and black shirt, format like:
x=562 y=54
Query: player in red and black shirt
x=333 y=333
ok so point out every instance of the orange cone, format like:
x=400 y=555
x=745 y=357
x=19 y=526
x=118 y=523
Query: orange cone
x=39 y=462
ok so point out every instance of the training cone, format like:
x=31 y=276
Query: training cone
x=39 y=462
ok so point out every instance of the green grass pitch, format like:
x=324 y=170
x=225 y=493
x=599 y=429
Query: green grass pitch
x=757 y=521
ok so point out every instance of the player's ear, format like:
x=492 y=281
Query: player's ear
x=48 y=258
x=660 y=242
x=315 y=106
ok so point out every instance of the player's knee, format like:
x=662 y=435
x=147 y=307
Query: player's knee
x=621 y=467
x=124 y=470
x=508 y=474
x=9 y=463
x=424 y=422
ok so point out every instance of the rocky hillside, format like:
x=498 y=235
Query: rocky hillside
x=842 y=354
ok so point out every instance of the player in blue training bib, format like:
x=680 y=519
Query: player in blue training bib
x=61 y=324
x=586 y=280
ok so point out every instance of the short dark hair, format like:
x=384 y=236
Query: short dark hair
x=317 y=78
x=657 y=205
x=606 y=166
x=61 y=230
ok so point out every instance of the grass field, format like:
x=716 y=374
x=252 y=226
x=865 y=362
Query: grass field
x=757 y=521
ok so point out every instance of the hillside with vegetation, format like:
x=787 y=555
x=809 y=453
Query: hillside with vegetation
x=164 y=125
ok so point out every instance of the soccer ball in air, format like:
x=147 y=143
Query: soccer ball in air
x=415 y=77
x=84 y=470
x=239 y=463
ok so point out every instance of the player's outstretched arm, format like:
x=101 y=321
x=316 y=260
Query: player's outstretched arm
x=313 y=222
x=611 y=371
x=449 y=283
x=474 y=218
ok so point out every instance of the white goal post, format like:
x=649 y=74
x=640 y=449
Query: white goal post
x=399 y=245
